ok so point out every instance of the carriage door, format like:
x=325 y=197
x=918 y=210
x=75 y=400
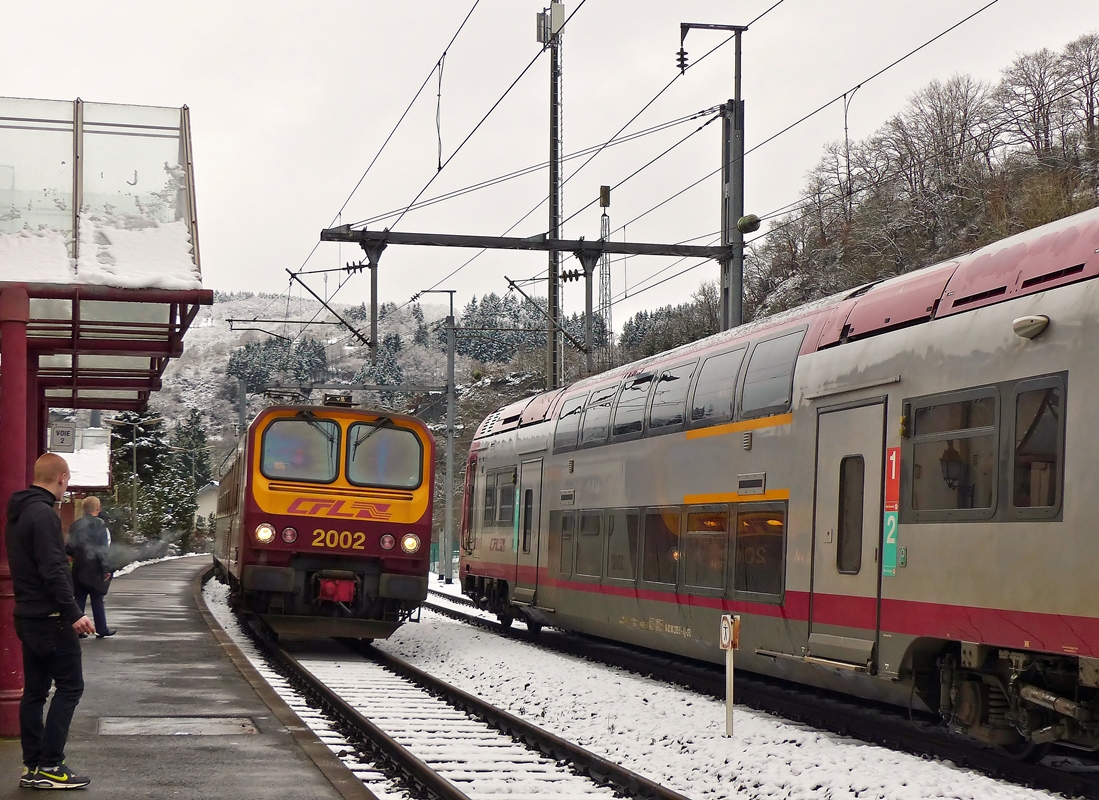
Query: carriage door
x=526 y=551
x=843 y=616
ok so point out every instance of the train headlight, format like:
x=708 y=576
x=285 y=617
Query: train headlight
x=410 y=543
x=289 y=535
x=388 y=541
x=265 y=533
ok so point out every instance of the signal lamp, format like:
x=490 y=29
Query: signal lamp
x=289 y=535
x=265 y=533
x=388 y=541
x=410 y=543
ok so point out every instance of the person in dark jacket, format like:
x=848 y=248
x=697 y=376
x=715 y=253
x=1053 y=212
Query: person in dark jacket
x=88 y=543
x=47 y=621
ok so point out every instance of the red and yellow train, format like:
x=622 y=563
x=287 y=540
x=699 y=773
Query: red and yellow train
x=324 y=520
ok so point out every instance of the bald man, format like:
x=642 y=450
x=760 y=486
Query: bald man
x=48 y=622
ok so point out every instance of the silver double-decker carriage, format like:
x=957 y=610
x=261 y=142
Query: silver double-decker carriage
x=896 y=487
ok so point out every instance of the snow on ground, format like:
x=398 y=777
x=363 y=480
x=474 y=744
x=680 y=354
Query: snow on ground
x=674 y=736
x=126 y=570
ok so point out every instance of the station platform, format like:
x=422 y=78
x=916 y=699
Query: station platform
x=173 y=709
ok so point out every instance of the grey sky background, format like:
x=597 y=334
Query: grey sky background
x=291 y=100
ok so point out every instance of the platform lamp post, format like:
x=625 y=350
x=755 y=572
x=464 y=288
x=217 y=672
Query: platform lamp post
x=133 y=475
x=446 y=544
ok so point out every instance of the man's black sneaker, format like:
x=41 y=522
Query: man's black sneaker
x=59 y=777
x=105 y=634
x=30 y=774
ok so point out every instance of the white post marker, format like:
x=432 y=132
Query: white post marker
x=730 y=642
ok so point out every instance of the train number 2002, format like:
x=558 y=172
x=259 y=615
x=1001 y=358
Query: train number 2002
x=344 y=539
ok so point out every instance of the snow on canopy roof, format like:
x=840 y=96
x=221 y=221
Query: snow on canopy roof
x=126 y=219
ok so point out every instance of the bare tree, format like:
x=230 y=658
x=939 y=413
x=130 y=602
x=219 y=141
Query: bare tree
x=1080 y=69
x=1030 y=96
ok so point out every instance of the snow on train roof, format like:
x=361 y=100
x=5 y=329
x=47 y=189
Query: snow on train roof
x=1042 y=258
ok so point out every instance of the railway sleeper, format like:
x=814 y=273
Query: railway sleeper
x=1020 y=701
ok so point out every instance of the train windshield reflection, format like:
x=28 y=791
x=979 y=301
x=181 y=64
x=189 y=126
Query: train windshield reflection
x=297 y=449
x=379 y=455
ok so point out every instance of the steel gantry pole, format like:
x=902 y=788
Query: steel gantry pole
x=550 y=23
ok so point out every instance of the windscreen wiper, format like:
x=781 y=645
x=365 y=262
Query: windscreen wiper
x=311 y=418
x=382 y=422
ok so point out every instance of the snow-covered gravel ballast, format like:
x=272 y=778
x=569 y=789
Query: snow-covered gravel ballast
x=668 y=734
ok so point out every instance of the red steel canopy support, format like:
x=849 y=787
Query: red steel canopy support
x=14 y=316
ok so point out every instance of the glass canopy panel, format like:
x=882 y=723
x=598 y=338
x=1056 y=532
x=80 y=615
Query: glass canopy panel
x=36 y=179
x=107 y=394
x=134 y=175
x=65 y=394
x=115 y=362
x=119 y=311
x=61 y=361
x=42 y=309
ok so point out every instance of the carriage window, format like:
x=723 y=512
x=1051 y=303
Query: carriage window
x=505 y=498
x=528 y=512
x=704 y=549
x=297 y=449
x=954 y=455
x=589 y=544
x=629 y=414
x=621 y=544
x=768 y=381
x=597 y=416
x=670 y=397
x=849 y=529
x=490 y=500
x=384 y=456
x=713 y=397
x=1039 y=423
x=760 y=549
x=568 y=423
x=566 y=522
x=661 y=554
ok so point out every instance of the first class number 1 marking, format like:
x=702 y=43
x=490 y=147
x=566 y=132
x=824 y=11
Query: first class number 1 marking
x=343 y=539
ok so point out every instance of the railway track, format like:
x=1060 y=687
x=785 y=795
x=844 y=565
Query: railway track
x=874 y=723
x=441 y=742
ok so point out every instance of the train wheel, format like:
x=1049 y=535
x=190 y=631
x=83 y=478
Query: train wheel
x=505 y=619
x=534 y=628
x=1030 y=752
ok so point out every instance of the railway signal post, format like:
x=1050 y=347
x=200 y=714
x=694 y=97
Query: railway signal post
x=730 y=643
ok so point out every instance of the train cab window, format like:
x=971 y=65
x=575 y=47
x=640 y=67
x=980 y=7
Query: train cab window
x=589 y=544
x=954 y=454
x=629 y=414
x=1036 y=453
x=568 y=423
x=490 y=500
x=769 y=379
x=597 y=417
x=301 y=449
x=622 y=544
x=384 y=456
x=849 y=527
x=704 y=548
x=669 y=408
x=660 y=554
x=505 y=498
x=760 y=552
x=715 y=389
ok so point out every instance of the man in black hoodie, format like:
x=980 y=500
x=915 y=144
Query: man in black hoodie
x=48 y=622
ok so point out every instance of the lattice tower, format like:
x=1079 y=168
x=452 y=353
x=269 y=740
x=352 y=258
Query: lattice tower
x=605 y=353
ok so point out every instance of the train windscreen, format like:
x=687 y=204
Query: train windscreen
x=379 y=455
x=301 y=449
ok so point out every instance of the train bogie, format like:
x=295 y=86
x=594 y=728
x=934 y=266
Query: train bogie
x=892 y=486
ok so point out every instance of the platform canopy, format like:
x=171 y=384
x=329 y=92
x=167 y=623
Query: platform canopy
x=98 y=223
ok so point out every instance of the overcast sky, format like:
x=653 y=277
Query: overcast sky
x=290 y=101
